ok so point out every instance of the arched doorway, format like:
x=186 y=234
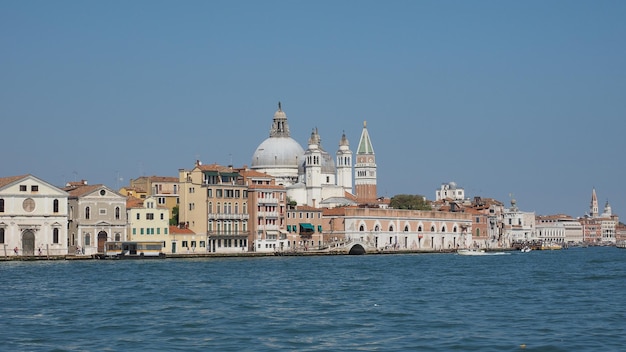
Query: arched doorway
x=102 y=238
x=357 y=249
x=28 y=243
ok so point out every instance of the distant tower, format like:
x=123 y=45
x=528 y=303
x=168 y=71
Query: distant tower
x=365 y=169
x=344 y=165
x=594 y=211
x=313 y=169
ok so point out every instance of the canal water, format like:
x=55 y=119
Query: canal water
x=568 y=300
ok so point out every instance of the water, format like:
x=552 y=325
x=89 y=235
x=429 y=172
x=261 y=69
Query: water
x=569 y=300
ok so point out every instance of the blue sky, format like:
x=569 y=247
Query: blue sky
x=502 y=97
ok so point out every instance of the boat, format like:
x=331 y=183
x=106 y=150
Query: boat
x=134 y=250
x=550 y=246
x=477 y=252
x=525 y=249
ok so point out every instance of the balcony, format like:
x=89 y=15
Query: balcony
x=223 y=216
x=267 y=227
x=267 y=214
x=267 y=200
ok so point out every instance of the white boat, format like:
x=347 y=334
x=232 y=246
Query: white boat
x=477 y=252
x=525 y=249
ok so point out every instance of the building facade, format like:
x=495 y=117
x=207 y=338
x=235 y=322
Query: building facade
x=33 y=217
x=96 y=214
x=149 y=221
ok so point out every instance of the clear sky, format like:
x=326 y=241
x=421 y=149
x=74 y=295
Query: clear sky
x=502 y=97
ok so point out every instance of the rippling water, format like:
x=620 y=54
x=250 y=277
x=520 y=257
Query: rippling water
x=569 y=300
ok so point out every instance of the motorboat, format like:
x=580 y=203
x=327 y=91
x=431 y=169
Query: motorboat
x=525 y=249
x=477 y=252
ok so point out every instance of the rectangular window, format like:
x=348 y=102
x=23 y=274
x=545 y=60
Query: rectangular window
x=1 y=235
x=134 y=231
x=22 y=188
x=185 y=244
x=218 y=193
x=165 y=230
x=477 y=220
x=150 y=216
x=1 y=205
x=141 y=231
x=34 y=188
x=138 y=216
x=158 y=230
x=209 y=193
x=162 y=216
x=103 y=211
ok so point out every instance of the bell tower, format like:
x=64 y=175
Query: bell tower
x=365 y=169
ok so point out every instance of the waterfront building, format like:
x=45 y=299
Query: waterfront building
x=182 y=238
x=559 y=228
x=163 y=188
x=305 y=228
x=267 y=203
x=96 y=214
x=518 y=226
x=399 y=229
x=214 y=204
x=149 y=221
x=33 y=217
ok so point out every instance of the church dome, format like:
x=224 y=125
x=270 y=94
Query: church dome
x=279 y=155
x=277 y=152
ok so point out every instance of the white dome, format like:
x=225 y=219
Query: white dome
x=277 y=152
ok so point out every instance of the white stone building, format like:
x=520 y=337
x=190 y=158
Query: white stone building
x=33 y=217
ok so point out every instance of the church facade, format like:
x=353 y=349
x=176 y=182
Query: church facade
x=313 y=177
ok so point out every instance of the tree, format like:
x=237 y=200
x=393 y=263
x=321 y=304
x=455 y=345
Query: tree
x=174 y=218
x=408 y=201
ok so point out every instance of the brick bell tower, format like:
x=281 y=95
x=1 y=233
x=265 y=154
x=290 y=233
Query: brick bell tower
x=365 y=169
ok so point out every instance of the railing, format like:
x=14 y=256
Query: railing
x=267 y=200
x=223 y=216
x=268 y=214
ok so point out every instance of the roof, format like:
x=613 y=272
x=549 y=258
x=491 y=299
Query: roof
x=10 y=179
x=81 y=190
x=133 y=202
x=181 y=231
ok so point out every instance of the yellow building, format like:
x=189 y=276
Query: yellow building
x=148 y=221
x=163 y=188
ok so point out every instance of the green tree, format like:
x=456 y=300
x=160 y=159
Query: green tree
x=409 y=201
x=174 y=218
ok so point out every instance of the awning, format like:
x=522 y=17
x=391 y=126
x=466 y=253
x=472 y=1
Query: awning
x=306 y=226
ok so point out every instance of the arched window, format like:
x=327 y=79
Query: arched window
x=390 y=228
x=87 y=213
x=419 y=228
x=454 y=229
x=376 y=228
x=406 y=228
x=55 y=205
x=443 y=229
x=117 y=214
x=361 y=228
x=432 y=229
